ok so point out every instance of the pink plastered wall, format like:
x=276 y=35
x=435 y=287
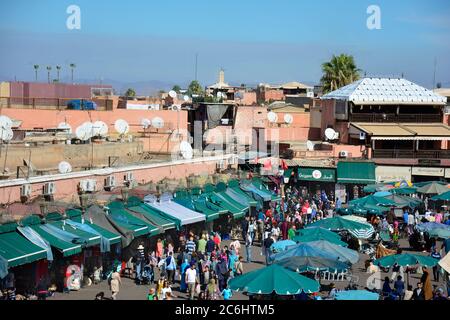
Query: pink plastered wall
x=67 y=188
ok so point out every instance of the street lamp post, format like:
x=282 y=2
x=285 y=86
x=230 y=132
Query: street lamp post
x=58 y=68
x=49 y=68
x=72 y=66
x=36 y=67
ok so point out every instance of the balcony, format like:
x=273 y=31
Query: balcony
x=392 y=117
x=410 y=154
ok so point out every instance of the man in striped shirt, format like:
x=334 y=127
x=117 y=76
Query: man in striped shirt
x=190 y=247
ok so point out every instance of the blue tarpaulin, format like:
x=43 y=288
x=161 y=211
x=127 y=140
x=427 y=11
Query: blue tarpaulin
x=35 y=238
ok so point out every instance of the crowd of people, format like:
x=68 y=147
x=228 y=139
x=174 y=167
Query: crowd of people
x=203 y=266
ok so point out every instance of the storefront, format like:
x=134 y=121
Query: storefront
x=354 y=175
x=317 y=179
x=421 y=174
x=447 y=174
x=392 y=173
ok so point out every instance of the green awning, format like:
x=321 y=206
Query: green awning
x=356 y=172
x=222 y=196
x=66 y=248
x=153 y=216
x=288 y=172
x=88 y=238
x=197 y=206
x=8 y=227
x=126 y=220
x=76 y=215
x=112 y=237
x=17 y=250
x=221 y=203
x=317 y=174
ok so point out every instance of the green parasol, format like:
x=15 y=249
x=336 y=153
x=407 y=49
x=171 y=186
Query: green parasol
x=274 y=278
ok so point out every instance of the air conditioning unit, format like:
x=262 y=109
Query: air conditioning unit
x=343 y=154
x=110 y=182
x=25 y=190
x=49 y=188
x=221 y=164
x=128 y=177
x=91 y=185
x=88 y=185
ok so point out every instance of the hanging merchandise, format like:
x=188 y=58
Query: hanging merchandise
x=73 y=277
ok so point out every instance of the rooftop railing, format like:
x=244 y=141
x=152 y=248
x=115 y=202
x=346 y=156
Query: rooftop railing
x=50 y=103
x=392 y=117
x=410 y=154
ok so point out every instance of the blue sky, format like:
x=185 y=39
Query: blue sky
x=253 y=40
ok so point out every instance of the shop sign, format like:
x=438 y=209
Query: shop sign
x=310 y=174
x=424 y=171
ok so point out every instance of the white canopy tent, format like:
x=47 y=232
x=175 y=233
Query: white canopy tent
x=179 y=212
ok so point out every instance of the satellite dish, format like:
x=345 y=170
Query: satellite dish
x=288 y=118
x=64 y=167
x=6 y=134
x=186 y=98
x=172 y=94
x=121 y=126
x=100 y=128
x=146 y=123
x=66 y=126
x=5 y=122
x=310 y=145
x=84 y=131
x=272 y=117
x=330 y=134
x=186 y=150
x=219 y=94
x=158 y=123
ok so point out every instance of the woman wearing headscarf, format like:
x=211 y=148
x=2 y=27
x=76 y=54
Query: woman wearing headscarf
x=427 y=288
x=222 y=273
x=212 y=292
x=232 y=261
x=184 y=266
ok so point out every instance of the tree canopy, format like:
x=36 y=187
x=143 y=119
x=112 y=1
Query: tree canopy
x=176 y=88
x=130 y=92
x=338 y=72
x=195 y=88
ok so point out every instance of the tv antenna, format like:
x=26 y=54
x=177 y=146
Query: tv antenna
x=157 y=123
x=64 y=167
x=84 y=131
x=186 y=150
x=272 y=117
x=288 y=119
x=122 y=127
x=65 y=126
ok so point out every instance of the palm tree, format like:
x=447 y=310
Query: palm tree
x=49 y=68
x=338 y=72
x=72 y=66
x=36 y=67
x=58 y=68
